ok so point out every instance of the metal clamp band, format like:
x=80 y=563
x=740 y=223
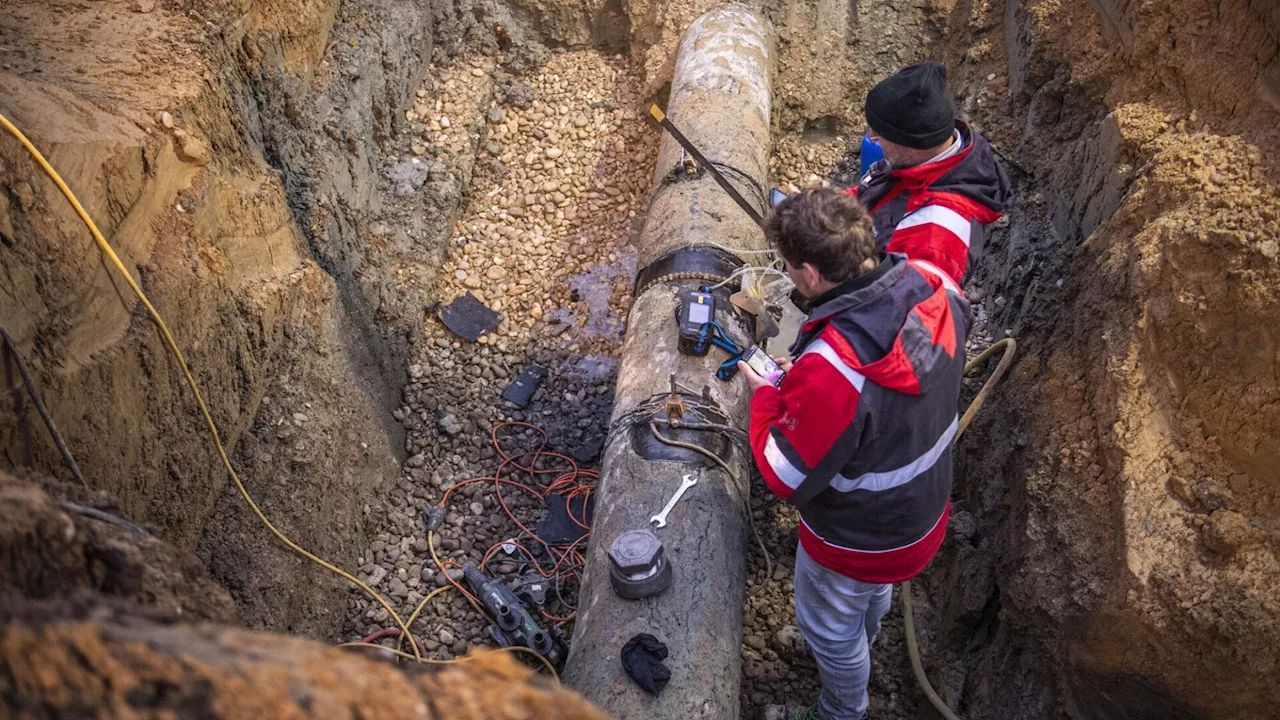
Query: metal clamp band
x=694 y=262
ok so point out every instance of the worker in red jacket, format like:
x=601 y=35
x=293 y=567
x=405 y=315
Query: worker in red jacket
x=857 y=435
x=939 y=184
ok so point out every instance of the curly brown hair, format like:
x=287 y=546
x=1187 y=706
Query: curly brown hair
x=826 y=228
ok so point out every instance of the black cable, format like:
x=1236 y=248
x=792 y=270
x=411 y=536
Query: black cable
x=34 y=392
x=103 y=516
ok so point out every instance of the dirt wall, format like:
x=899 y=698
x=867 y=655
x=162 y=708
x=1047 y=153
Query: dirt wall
x=58 y=542
x=150 y=132
x=1123 y=495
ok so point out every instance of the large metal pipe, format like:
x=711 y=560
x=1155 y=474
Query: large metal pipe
x=720 y=98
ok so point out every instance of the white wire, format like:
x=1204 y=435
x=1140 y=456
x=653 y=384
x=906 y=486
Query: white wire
x=735 y=251
x=749 y=268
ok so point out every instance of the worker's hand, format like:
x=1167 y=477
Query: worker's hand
x=752 y=377
x=784 y=362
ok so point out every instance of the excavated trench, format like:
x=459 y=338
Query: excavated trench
x=300 y=184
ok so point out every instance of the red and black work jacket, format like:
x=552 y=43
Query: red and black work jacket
x=937 y=213
x=876 y=379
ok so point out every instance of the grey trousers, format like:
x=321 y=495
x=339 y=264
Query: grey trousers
x=839 y=618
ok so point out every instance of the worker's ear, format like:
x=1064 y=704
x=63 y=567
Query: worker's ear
x=811 y=274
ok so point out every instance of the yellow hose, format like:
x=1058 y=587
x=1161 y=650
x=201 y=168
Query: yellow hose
x=191 y=381
x=419 y=609
x=1010 y=346
x=429 y=661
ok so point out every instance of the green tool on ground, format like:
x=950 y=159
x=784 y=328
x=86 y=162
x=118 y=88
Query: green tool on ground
x=513 y=625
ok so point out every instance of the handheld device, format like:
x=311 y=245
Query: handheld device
x=757 y=359
x=697 y=312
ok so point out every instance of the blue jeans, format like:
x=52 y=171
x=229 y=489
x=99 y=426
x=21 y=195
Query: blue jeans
x=839 y=618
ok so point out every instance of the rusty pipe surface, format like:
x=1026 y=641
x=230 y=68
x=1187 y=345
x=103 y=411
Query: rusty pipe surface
x=721 y=100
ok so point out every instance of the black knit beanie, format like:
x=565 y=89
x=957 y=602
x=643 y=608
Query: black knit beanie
x=912 y=107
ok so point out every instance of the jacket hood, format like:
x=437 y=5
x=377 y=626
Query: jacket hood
x=974 y=173
x=904 y=324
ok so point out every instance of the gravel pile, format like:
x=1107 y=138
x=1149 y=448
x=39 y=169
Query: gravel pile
x=563 y=160
x=806 y=162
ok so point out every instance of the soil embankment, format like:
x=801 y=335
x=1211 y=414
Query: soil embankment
x=1125 y=496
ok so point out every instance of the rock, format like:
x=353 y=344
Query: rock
x=398 y=588
x=191 y=149
x=496 y=273
x=377 y=575
x=755 y=642
x=408 y=177
x=445 y=122
x=496 y=115
x=416 y=461
x=1226 y=532
x=146 y=6
x=475 y=72
x=300 y=419
x=791 y=644
x=778 y=712
x=447 y=638
x=450 y=425
x=165 y=120
x=554 y=152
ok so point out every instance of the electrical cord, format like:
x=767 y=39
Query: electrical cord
x=567 y=562
x=105 y=517
x=38 y=401
x=766 y=269
x=173 y=348
x=429 y=661
x=416 y=611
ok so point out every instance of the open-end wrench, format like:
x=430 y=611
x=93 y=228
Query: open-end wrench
x=661 y=518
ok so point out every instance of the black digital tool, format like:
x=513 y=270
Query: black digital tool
x=696 y=314
x=757 y=359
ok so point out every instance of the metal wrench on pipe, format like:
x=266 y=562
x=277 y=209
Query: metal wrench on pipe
x=661 y=518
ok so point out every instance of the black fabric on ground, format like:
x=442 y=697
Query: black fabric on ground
x=642 y=658
x=557 y=527
x=469 y=317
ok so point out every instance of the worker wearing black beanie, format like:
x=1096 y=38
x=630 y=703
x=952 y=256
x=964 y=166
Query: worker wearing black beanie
x=939 y=184
x=912 y=107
